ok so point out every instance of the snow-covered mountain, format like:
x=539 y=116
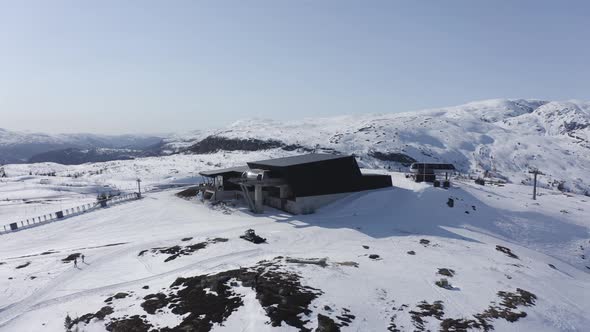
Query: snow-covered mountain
x=501 y=138
x=19 y=147
x=407 y=258
x=504 y=137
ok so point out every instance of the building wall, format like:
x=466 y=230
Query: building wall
x=303 y=205
x=318 y=178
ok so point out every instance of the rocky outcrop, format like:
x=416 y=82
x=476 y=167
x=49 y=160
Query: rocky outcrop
x=392 y=156
x=213 y=144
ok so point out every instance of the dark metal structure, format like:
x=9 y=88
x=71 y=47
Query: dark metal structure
x=535 y=172
x=220 y=177
x=426 y=172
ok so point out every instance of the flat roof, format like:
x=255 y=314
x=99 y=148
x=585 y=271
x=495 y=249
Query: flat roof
x=432 y=166
x=298 y=160
x=220 y=171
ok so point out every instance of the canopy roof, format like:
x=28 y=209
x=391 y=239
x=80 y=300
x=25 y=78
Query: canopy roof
x=298 y=160
x=221 y=171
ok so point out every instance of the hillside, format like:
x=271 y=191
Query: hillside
x=500 y=138
x=20 y=147
x=506 y=138
x=165 y=263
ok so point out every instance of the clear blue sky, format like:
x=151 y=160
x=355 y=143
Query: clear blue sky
x=169 y=66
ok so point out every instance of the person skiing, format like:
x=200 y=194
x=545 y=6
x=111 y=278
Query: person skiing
x=76 y=262
x=82 y=257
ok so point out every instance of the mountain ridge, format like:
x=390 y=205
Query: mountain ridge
x=501 y=137
x=504 y=138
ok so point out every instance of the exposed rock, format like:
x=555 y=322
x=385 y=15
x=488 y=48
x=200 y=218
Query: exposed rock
x=392 y=156
x=451 y=202
x=446 y=272
x=506 y=251
x=71 y=257
x=315 y=261
x=178 y=251
x=100 y=315
x=131 y=324
x=205 y=300
x=23 y=265
x=424 y=242
x=153 y=302
x=120 y=295
x=326 y=324
x=216 y=143
x=444 y=283
x=426 y=310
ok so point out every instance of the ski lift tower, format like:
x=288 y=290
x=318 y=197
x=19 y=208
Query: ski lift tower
x=535 y=172
x=138 y=188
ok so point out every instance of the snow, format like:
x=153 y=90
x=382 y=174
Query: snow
x=502 y=136
x=550 y=236
x=390 y=221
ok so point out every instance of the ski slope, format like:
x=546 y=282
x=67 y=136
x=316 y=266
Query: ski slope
x=550 y=238
x=503 y=137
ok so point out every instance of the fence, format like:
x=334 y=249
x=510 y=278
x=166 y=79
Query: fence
x=67 y=213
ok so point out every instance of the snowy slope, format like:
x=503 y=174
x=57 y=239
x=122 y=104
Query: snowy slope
x=411 y=228
x=504 y=137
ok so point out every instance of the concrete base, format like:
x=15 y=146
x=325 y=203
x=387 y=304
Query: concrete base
x=304 y=205
x=300 y=205
x=258 y=200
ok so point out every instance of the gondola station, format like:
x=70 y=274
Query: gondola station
x=297 y=184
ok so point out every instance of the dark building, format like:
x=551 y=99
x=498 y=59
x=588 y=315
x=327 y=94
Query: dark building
x=426 y=172
x=297 y=184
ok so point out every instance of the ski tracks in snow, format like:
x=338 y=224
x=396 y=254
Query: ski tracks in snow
x=16 y=310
